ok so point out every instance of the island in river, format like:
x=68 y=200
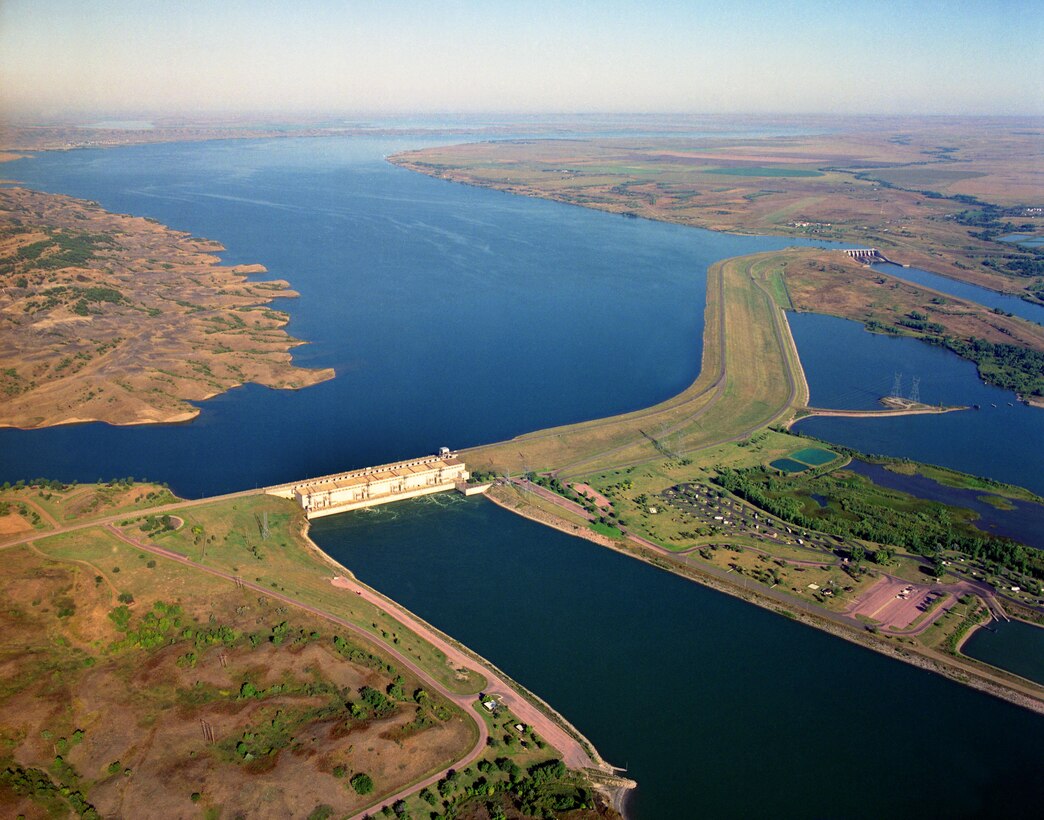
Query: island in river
x=115 y=318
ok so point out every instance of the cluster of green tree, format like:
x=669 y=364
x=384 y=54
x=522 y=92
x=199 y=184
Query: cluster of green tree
x=55 y=799
x=39 y=483
x=1009 y=366
x=312 y=688
x=605 y=518
x=120 y=483
x=915 y=320
x=876 y=514
x=429 y=709
x=278 y=729
x=152 y=524
x=995 y=222
x=157 y=627
x=869 y=176
x=360 y=656
x=543 y=790
x=975 y=615
x=64 y=249
x=1005 y=365
x=269 y=737
x=1028 y=264
x=362 y=783
x=377 y=704
x=985 y=215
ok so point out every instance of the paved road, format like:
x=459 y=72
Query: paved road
x=123 y=516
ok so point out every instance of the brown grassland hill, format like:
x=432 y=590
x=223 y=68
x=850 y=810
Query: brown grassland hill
x=162 y=658
x=116 y=318
x=189 y=693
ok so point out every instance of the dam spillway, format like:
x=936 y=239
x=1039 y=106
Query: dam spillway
x=370 y=486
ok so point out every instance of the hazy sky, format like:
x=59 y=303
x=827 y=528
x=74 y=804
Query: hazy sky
x=875 y=56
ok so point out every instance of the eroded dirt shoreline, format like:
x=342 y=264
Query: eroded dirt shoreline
x=113 y=318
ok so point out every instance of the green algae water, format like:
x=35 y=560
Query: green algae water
x=788 y=465
x=716 y=707
x=813 y=456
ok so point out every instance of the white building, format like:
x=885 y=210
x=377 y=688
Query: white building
x=379 y=485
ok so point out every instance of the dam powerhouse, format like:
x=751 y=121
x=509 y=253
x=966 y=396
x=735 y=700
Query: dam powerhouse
x=370 y=486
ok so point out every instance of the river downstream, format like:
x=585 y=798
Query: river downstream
x=717 y=708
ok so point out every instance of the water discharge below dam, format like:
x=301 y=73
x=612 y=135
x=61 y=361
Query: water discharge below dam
x=716 y=707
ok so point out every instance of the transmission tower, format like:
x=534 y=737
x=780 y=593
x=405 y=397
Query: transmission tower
x=915 y=391
x=897 y=385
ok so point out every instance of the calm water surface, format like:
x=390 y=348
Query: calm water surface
x=1024 y=523
x=717 y=708
x=1010 y=645
x=963 y=290
x=847 y=367
x=455 y=315
x=452 y=315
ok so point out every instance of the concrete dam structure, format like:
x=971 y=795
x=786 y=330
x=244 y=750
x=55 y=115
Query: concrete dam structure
x=866 y=255
x=370 y=486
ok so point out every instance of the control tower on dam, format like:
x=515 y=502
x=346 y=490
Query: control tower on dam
x=370 y=486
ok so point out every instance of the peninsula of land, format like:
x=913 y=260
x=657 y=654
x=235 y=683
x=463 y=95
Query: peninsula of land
x=710 y=485
x=113 y=318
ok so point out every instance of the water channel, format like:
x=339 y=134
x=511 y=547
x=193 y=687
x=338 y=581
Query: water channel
x=1012 y=645
x=717 y=708
x=848 y=367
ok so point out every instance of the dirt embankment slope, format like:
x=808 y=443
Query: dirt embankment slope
x=108 y=317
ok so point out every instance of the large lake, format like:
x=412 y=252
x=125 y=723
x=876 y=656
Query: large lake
x=452 y=315
x=458 y=316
